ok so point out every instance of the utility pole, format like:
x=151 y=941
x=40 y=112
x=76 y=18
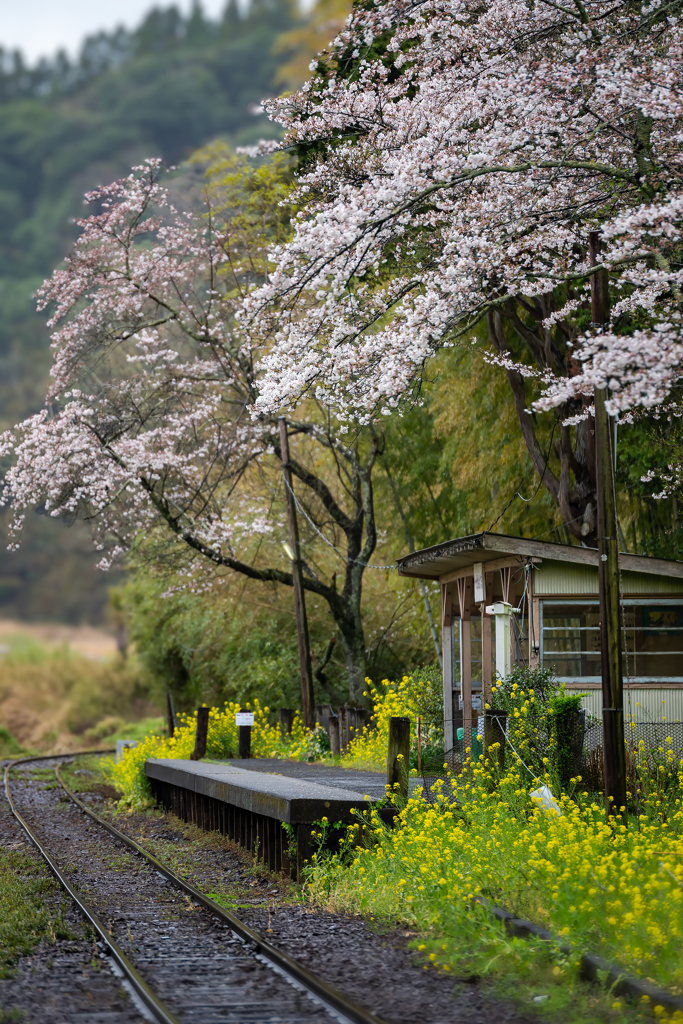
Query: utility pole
x=611 y=639
x=307 y=697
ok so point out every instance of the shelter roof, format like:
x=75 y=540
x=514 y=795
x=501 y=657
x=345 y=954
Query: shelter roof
x=454 y=556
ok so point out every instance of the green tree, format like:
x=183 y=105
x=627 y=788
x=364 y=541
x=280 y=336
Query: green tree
x=66 y=126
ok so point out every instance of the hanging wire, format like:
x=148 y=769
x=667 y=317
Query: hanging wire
x=511 y=744
x=560 y=527
x=343 y=557
x=521 y=496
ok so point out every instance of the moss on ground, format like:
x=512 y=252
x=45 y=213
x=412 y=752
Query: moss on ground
x=25 y=915
x=196 y=856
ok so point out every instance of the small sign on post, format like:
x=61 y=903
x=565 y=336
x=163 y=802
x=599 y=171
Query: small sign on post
x=244 y=720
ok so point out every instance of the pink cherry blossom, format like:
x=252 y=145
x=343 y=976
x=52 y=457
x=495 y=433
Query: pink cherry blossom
x=459 y=154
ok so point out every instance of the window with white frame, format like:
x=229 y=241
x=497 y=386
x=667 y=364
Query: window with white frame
x=653 y=640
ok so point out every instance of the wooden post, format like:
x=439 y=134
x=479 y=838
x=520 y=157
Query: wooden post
x=494 y=732
x=170 y=712
x=305 y=668
x=200 y=735
x=244 y=740
x=334 y=736
x=464 y=597
x=419 y=745
x=486 y=658
x=398 y=755
x=286 y=717
x=362 y=720
x=447 y=660
x=322 y=715
x=343 y=727
x=611 y=644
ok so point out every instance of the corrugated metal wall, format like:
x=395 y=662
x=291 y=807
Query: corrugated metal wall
x=564 y=578
x=645 y=705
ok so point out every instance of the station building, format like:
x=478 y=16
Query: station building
x=507 y=600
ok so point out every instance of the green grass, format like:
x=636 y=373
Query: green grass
x=11 y=1016
x=138 y=730
x=9 y=746
x=25 y=918
x=84 y=773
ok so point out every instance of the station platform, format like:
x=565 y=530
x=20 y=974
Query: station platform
x=267 y=806
x=372 y=784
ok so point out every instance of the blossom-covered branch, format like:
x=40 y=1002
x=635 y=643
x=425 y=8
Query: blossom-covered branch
x=456 y=157
x=150 y=432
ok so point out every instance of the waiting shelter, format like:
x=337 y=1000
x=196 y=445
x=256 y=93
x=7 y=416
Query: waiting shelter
x=508 y=600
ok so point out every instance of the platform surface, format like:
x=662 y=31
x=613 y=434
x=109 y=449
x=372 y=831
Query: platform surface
x=369 y=783
x=287 y=798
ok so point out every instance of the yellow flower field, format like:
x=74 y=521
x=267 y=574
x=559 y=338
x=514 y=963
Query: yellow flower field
x=128 y=774
x=597 y=887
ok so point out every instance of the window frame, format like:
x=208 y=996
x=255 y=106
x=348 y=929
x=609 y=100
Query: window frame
x=644 y=602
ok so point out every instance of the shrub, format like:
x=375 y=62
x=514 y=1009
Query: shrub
x=417 y=694
x=128 y=774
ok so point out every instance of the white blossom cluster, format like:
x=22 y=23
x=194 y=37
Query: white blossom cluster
x=147 y=422
x=460 y=154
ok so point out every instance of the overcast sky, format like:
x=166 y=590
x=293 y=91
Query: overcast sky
x=40 y=27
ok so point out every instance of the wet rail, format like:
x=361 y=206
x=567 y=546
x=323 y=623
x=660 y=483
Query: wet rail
x=179 y=968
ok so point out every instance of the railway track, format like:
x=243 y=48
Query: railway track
x=181 y=956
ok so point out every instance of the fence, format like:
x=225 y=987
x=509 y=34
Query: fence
x=650 y=747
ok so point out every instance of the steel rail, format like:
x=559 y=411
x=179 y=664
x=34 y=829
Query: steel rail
x=332 y=998
x=156 y=1007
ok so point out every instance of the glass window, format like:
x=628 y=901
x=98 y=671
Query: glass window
x=653 y=640
x=475 y=649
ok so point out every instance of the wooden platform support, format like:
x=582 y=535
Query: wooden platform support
x=251 y=808
x=448 y=664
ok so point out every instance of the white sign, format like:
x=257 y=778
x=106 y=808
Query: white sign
x=476 y=703
x=479 y=583
x=244 y=718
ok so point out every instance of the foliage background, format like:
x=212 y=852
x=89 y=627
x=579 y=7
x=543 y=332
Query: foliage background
x=451 y=465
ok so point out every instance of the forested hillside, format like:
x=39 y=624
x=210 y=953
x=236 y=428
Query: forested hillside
x=449 y=468
x=69 y=126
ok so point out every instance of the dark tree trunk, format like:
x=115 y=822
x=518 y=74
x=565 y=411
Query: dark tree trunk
x=574 y=489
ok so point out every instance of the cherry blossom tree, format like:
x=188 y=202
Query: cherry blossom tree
x=149 y=432
x=455 y=157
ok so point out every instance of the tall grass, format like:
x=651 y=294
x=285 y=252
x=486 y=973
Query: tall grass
x=54 y=698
